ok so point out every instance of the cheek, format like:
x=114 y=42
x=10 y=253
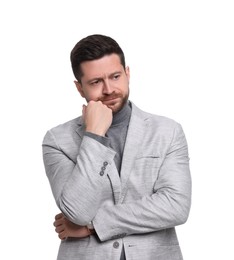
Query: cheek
x=125 y=88
x=94 y=94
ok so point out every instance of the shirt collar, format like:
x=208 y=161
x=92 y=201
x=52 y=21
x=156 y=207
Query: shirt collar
x=123 y=115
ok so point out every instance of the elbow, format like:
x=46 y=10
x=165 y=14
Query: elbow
x=78 y=214
x=182 y=212
x=76 y=218
x=182 y=218
x=178 y=217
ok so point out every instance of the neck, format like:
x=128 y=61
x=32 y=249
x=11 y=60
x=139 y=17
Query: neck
x=122 y=115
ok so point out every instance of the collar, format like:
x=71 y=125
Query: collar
x=123 y=115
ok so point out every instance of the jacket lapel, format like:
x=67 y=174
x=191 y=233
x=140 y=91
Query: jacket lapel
x=80 y=127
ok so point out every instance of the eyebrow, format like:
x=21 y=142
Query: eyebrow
x=109 y=76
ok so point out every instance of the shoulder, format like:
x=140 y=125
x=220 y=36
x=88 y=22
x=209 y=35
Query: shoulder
x=158 y=125
x=64 y=131
x=154 y=119
x=68 y=126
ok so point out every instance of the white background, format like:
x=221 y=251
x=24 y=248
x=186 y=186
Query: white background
x=181 y=56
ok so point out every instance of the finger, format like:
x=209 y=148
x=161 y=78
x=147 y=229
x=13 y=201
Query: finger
x=62 y=235
x=58 y=216
x=58 y=222
x=59 y=229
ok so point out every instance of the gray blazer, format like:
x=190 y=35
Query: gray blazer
x=141 y=208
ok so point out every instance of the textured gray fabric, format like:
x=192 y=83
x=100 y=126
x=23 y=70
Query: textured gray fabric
x=138 y=209
x=115 y=138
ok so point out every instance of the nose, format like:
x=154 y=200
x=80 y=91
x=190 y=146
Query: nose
x=107 y=89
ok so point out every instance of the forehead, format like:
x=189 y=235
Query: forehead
x=105 y=65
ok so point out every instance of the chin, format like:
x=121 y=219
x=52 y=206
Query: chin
x=117 y=107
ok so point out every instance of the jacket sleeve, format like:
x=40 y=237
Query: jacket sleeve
x=78 y=187
x=167 y=207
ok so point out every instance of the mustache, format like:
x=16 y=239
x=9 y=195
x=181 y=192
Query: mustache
x=109 y=97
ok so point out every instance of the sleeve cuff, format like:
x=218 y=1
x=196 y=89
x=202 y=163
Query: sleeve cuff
x=101 y=139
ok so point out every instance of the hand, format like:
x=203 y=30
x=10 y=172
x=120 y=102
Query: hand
x=97 y=117
x=66 y=228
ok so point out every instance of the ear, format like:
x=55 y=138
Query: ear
x=127 y=71
x=79 y=88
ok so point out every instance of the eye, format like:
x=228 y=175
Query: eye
x=95 y=82
x=116 y=76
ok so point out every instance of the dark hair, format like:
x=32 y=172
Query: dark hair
x=93 y=47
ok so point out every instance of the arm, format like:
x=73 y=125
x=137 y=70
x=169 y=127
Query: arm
x=167 y=207
x=79 y=187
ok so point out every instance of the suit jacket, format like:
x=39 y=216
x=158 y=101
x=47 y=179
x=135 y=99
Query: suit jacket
x=138 y=208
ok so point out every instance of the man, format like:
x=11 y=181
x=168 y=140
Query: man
x=120 y=176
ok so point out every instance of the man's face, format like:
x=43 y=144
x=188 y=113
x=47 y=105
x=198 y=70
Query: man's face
x=105 y=80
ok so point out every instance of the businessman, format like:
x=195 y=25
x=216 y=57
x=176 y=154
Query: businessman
x=120 y=176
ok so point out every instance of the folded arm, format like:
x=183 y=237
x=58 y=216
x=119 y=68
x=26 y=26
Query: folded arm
x=167 y=207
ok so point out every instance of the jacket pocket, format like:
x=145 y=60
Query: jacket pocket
x=145 y=173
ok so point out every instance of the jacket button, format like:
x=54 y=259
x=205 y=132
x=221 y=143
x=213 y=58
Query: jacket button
x=116 y=244
x=101 y=172
x=105 y=163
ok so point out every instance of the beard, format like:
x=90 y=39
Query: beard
x=115 y=101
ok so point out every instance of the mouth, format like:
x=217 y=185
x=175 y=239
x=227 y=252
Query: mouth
x=109 y=99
